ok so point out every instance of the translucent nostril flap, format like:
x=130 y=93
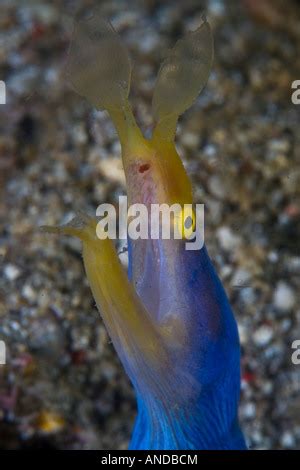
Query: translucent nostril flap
x=98 y=64
x=183 y=74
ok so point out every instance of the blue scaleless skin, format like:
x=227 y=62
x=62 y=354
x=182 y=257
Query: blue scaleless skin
x=170 y=320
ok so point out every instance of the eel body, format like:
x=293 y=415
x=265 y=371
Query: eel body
x=168 y=317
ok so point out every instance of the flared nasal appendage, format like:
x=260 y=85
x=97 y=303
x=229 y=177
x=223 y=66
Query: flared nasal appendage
x=181 y=78
x=99 y=69
x=98 y=64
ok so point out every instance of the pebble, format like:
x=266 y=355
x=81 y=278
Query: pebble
x=217 y=187
x=273 y=256
x=247 y=295
x=249 y=410
x=216 y=7
x=24 y=81
x=227 y=239
x=225 y=271
x=210 y=150
x=49 y=422
x=28 y=293
x=287 y=440
x=242 y=333
x=267 y=387
x=112 y=169
x=11 y=272
x=284 y=297
x=241 y=277
x=214 y=207
x=263 y=335
x=190 y=140
x=46 y=14
x=126 y=19
x=149 y=42
x=279 y=146
x=80 y=135
x=295 y=264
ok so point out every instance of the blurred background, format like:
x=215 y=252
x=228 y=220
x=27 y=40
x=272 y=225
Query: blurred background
x=63 y=386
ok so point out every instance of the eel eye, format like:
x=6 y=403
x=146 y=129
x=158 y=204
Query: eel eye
x=185 y=222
